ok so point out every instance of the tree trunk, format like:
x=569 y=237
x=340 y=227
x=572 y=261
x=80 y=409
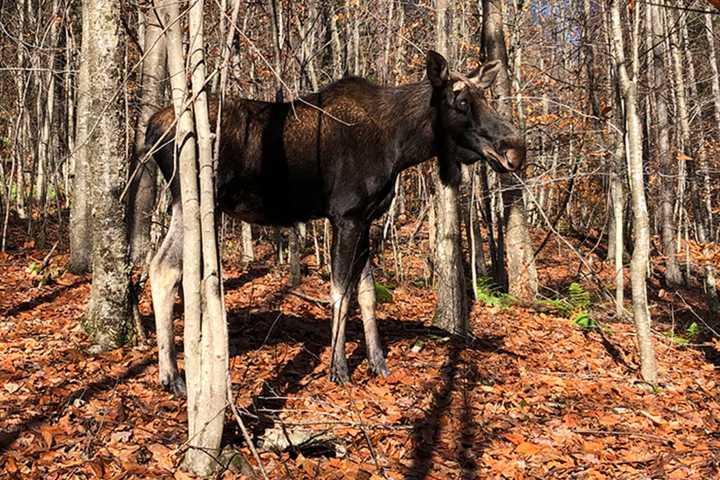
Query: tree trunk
x=451 y=311
x=80 y=228
x=108 y=320
x=684 y=116
x=141 y=197
x=210 y=384
x=205 y=335
x=658 y=75
x=522 y=275
x=192 y=246
x=294 y=255
x=617 y=193
x=634 y=157
x=715 y=78
x=615 y=125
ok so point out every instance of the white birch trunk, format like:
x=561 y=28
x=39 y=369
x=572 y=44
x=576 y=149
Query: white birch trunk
x=634 y=157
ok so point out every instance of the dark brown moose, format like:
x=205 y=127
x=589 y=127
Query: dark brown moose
x=334 y=154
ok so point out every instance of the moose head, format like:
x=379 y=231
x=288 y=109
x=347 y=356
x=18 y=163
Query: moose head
x=466 y=128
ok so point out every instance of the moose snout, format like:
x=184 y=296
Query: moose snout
x=513 y=153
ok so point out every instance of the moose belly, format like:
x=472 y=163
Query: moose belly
x=271 y=205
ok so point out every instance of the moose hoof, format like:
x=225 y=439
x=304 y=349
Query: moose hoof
x=339 y=373
x=378 y=366
x=174 y=384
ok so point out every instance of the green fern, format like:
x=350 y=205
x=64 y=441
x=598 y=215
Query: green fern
x=691 y=334
x=575 y=306
x=487 y=292
x=578 y=297
x=560 y=305
x=383 y=293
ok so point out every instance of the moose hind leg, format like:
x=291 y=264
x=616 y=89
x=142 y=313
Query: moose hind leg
x=366 y=300
x=165 y=276
x=340 y=297
x=349 y=251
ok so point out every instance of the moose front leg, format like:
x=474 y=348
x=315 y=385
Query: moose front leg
x=366 y=300
x=165 y=276
x=349 y=253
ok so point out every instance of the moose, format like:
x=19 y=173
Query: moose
x=333 y=154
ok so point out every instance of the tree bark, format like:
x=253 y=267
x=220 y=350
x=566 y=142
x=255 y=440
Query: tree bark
x=617 y=194
x=80 y=214
x=683 y=114
x=522 y=275
x=192 y=246
x=205 y=335
x=451 y=311
x=715 y=82
x=210 y=386
x=658 y=75
x=616 y=167
x=141 y=198
x=108 y=320
x=634 y=157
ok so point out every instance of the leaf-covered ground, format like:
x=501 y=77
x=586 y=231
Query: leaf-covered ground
x=530 y=396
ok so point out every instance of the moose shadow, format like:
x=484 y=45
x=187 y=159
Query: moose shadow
x=252 y=329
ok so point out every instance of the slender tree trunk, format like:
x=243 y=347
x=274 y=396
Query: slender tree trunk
x=46 y=112
x=715 y=82
x=615 y=125
x=80 y=228
x=617 y=193
x=108 y=320
x=185 y=143
x=700 y=182
x=21 y=85
x=634 y=156
x=451 y=311
x=658 y=75
x=522 y=275
x=336 y=57
x=683 y=112
x=208 y=385
x=143 y=189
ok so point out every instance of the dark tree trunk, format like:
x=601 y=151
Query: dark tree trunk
x=521 y=274
x=451 y=312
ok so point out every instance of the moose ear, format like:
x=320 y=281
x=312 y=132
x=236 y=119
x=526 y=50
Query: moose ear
x=437 y=69
x=485 y=75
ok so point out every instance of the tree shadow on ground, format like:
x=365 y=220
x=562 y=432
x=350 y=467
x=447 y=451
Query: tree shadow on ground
x=615 y=352
x=245 y=277
x=44 y=298
x=55 y=410
x=253 y=330
x=456 y=375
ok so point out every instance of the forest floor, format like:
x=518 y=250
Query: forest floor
x=531 y=395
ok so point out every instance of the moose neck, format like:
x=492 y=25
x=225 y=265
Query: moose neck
x=409 y=117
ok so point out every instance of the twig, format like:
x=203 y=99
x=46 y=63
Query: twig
x=304 y=296
x=241 y=424
x=46 y=260
x=619 y=433
x=376 y=426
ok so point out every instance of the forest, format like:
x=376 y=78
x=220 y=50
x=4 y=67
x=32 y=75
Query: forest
x=367 y=239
